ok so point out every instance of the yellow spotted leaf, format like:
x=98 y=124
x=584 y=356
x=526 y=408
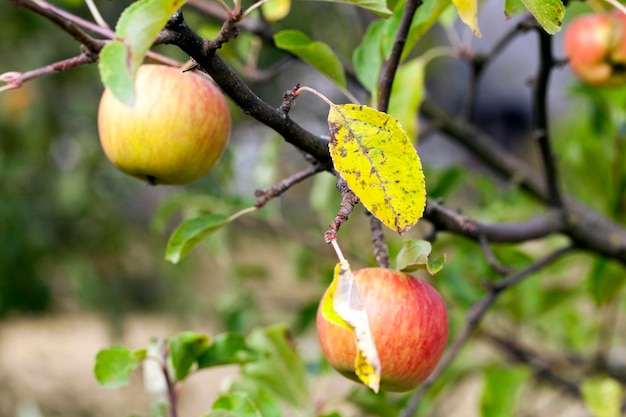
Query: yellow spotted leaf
x=375 y=157
x=342 y=305
x=468 y=12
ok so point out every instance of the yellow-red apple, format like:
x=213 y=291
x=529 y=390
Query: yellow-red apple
x=409 y=324
x=595 y=45
x=175 y=132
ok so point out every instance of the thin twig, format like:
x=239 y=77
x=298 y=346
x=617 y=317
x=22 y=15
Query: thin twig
x=473 y=318
x=93 y=45
x=15 y=80
x=491 y=257
x=263 y=196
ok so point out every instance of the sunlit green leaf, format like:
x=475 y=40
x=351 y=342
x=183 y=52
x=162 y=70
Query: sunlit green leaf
x=603 y=397
x=226 y=349
x=136 y=29
x=500 y=390
x=407 y=94
x=264 y=399
x=184 y=350
x=367 y=58
x=549 y=13
x=239 y=403
x=114 y=365
x=190 y=233
x=513 y=7
x=283 y=371
x=376 y=6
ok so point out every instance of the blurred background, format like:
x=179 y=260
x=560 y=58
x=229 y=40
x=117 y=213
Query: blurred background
x=82 y=246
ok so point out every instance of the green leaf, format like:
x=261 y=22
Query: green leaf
x=220 y=413
x=114 y=72
x=377 y=404
x=114 y=365
x=378 y=40
x=184 y=350
x=190 y=233
x=414 y=255
x=603 y=397
x=549 y=13
x=317 y=54
x=500 y=390
x=437 y=265
x=226 y=349
x=367 y=58
x=240 y=403
x=407 y=94
x=136 y=29
x=282 y=370
x=378 y=7
x=605 y=279
x=263 y=398
x=513 y=8
x=425 y=17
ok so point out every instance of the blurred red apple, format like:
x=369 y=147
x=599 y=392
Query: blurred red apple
x=595 y=45
x=409 y=324
x=176 y=131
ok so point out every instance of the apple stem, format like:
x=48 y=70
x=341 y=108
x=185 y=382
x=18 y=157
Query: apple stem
x=314 y=91
x=337 y=250
x=617 y=5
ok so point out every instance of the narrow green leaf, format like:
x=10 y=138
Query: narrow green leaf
x=226 y=349
x=282 y=370
x=407 y=94
x=549 y=13
x=136 y=29
x=184 y=350
x=190 y=233
x=378 y=7
x=603 y=397
x=240 y=403
x=114 y=365
x=426 y=16
x=317 y=54
x=367 y=58
x=500 y=390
